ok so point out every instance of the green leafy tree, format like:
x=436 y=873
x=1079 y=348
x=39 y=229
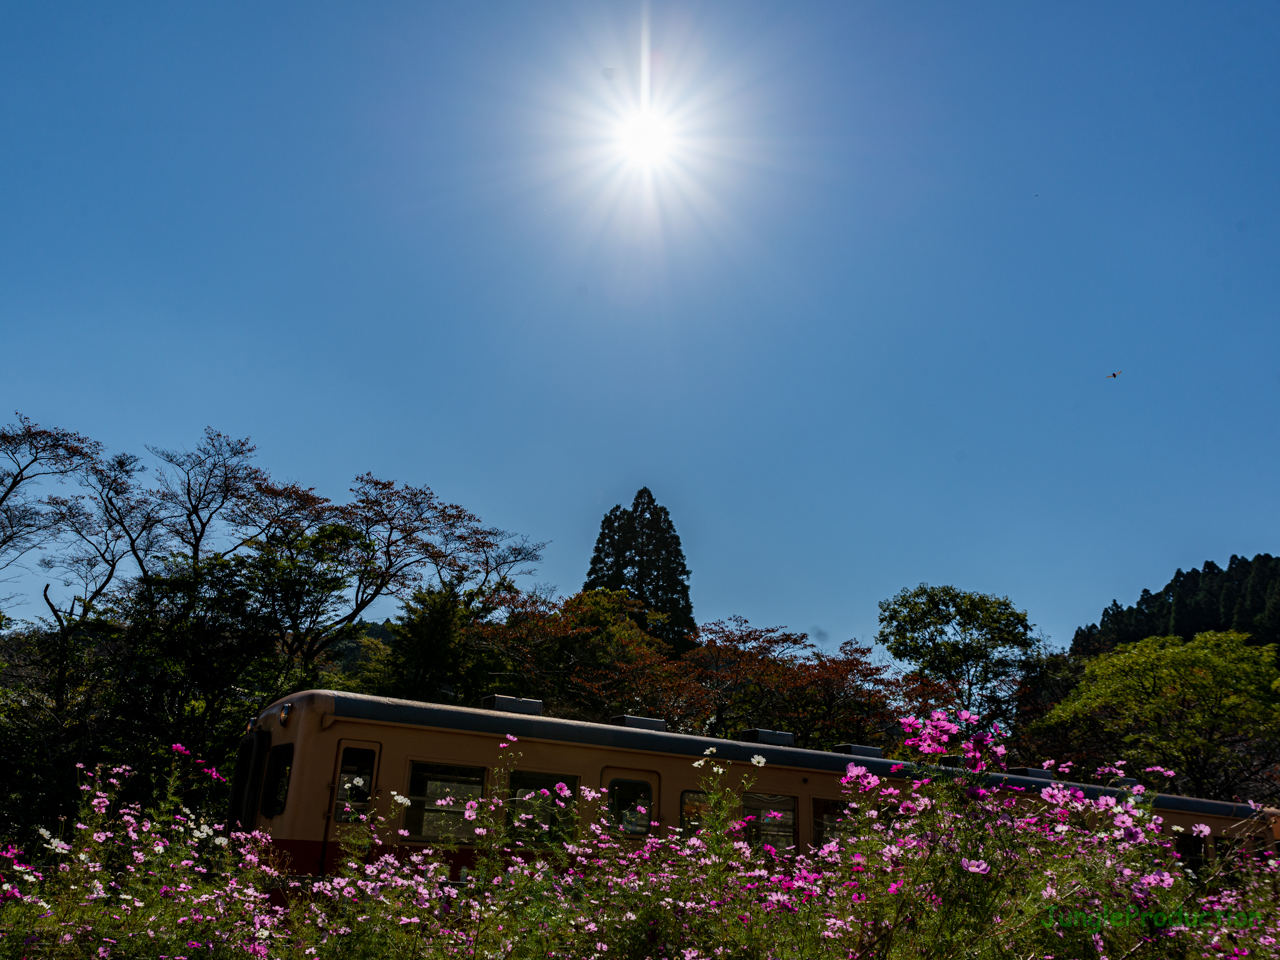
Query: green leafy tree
x=429 y=653
x=638 y=550
x=972 y=643
x=1208 y=707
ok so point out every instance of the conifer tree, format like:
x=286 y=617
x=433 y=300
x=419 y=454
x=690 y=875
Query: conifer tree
x=613 y=546
x=639 y=550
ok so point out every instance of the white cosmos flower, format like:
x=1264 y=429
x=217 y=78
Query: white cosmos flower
x=757 y=761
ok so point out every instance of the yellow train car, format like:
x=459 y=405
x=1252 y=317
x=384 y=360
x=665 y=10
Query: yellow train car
x=320 y=757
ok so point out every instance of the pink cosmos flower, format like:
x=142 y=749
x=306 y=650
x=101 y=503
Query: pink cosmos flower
x=975 y=866
x=1201 y=830
x=179 y=748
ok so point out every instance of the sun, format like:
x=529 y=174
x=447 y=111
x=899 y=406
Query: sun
x=645 y=139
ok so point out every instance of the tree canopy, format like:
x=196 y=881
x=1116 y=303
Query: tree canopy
x=1208 y=708
x=186 y=593
x=972 y=643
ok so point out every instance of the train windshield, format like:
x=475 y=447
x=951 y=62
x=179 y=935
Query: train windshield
x=275 y=788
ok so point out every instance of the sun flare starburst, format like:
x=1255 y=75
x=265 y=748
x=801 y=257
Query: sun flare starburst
x=645 y=138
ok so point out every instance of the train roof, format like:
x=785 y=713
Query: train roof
x=359 y=706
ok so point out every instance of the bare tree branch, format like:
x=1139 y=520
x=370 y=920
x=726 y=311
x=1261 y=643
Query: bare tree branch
x=29 y=453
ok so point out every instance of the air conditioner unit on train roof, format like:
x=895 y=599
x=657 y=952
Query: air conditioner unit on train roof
x=773 y=738
x=858 y=750
x=1035 y=773
x=512 y=705
x=640 y=723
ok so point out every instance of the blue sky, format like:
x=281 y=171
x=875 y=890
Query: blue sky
x=853 y=332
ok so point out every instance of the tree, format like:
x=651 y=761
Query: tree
x=835 y=698
x=1046 y=679
x=196 y=659
x=743 y=676
x=584 y=656
x=429 y=653
x=973 y=643
x=198 y=487
x=612 y=553
x=1208 y=707
x=638 y=550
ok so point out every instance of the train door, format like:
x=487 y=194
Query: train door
x=246 y=780
x=354 y=787
x=634 y=799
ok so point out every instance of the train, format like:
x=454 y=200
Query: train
x=311 y=761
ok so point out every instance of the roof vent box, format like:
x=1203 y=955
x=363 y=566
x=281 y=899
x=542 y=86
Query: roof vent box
x=512 y=705
x=773 y=738
x=639 y=723
x=857 y=750
x=1035 y=773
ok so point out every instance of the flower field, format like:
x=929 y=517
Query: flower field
x=943 y=867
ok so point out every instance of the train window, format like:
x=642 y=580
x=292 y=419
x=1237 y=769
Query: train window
x=830 y=821
x=775 y=819
x=355 y=783
x=429 y=782
x=694 y=807
x=543 y=798
x=631 y=804
x=275 y=786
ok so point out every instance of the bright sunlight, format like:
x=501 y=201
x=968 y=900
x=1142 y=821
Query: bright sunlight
x=645 y=139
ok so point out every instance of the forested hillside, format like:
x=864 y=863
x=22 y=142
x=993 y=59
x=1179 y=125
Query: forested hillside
x=1245 y=598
